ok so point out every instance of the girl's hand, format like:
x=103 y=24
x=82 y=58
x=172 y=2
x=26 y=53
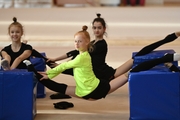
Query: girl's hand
x=44 y=74
x=52 y=62
x=51 y=59
x=54 y=65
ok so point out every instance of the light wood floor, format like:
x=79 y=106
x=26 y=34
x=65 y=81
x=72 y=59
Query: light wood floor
x=129 y=29
x=114 y=107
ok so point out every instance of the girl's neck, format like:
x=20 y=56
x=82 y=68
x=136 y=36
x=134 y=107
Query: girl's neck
x=15 y=46
x=97 y=39
x=81 y=51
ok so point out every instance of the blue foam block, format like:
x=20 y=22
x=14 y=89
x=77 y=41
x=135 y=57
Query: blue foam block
x=1 y=95
x=18 y=101
x=154 y=95
x=41 y=91
x=153 y=55
x=40 y=65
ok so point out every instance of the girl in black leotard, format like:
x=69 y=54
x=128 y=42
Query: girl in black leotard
x=98 y=56
x=16 y=52
x=101 y=69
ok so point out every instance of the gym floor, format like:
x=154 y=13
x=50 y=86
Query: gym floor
x=114 y=107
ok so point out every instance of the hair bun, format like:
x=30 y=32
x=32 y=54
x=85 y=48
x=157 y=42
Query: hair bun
x=98 y=15
x=84 y=28
x=14 y=19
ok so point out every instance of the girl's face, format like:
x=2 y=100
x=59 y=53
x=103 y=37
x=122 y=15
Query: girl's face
x=15 y=33
x=81 y=43
x=98 y=29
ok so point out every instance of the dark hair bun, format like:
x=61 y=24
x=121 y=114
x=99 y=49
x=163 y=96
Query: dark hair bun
x=98 y=15
x=14 y=19
x=84 y=28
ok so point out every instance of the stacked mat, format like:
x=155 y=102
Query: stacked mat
x=154 y=94
x=40 y=65
x=17 y=95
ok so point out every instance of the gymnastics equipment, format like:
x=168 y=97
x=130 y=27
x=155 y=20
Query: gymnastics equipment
x=155 y=93
x=17 y=95
x=39 y=65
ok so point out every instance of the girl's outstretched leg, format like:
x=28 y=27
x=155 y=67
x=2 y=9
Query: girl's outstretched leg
x=151 y=47
x=128 y=65
x=150 y=64
x=31 y=68
x=37 y=54
x=54 y=86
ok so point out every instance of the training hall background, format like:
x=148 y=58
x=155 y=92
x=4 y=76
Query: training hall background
x=50 y=25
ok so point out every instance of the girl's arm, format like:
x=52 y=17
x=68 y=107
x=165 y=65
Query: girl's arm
x=67 y=55
x=64 y=66
x=6 y=56
x=62 y=57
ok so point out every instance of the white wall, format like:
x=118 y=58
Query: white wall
x=154 y=2
x=171 y=0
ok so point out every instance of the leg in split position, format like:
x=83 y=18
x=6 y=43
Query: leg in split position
x=54 y=86
x=114 y=84
x=150 y=64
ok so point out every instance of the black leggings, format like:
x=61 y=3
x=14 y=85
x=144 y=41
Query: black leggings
x=52 y=85
x=151 y=63
x=35 y=53
x=151 y=47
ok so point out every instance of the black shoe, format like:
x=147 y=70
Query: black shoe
x=59 y=96
x=63 y=105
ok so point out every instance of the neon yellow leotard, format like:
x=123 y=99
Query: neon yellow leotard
x=84 y=76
